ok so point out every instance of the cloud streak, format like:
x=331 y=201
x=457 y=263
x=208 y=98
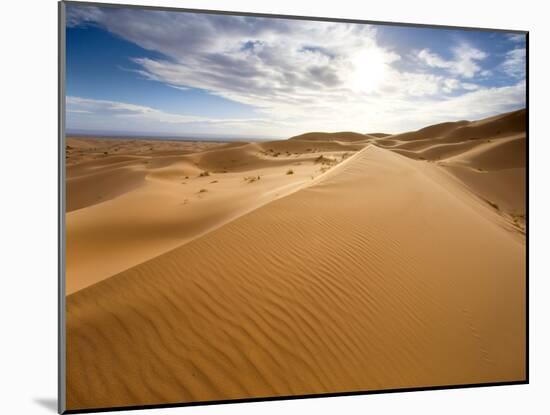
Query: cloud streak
x=465 y=62
x=514 y=63
x=127 y=117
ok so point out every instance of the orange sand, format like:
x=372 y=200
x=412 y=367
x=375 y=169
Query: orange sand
x=383 y=262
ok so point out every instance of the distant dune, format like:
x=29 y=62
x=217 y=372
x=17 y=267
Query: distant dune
x=328 y=262
x=378 y=135
x=341 y=136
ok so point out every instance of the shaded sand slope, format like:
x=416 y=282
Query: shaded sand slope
x=384 y=273
x=487 y=156
x=495 y=171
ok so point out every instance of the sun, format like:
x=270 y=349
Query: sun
x=370 y=69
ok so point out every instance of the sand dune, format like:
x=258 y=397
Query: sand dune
x=487 y=156
x=95 y=188
x=500 y=125
x=362 y=270
x=126 y=209
x=432 y=131
x=496 y=154
x=339 y=136
x=504 y=190
x=378 y=135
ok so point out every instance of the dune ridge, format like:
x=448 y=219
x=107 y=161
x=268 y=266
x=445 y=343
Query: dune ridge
x=349 y=282
x=160 y=183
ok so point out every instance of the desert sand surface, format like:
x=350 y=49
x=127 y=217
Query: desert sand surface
x=130 y=205
x=323 y=263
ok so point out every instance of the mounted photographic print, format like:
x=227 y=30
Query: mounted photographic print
x=258 y=207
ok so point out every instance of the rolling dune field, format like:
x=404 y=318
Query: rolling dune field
x=328 y=262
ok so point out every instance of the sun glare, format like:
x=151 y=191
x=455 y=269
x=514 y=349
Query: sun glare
x=370 y=69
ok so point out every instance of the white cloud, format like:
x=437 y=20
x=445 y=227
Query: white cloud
x=514 y=63
x=75 y=111
x=433 y=59
x=464 y=63
x=127 y=117
x=82 y=15
x=469 y=86
x=516 y=37
x=298 y=75
x=120 y=109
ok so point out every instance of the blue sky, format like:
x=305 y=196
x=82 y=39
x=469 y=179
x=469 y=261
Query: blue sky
x=145 y=72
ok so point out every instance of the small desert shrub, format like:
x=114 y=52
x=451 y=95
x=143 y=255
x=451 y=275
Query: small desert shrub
x=290 y=171
x=251 y=179
x=324 y=160
x=203 y=191
x=493 y=205
x=214 y=181
x=204 y=173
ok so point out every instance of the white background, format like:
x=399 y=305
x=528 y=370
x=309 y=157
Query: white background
x=28 y=188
